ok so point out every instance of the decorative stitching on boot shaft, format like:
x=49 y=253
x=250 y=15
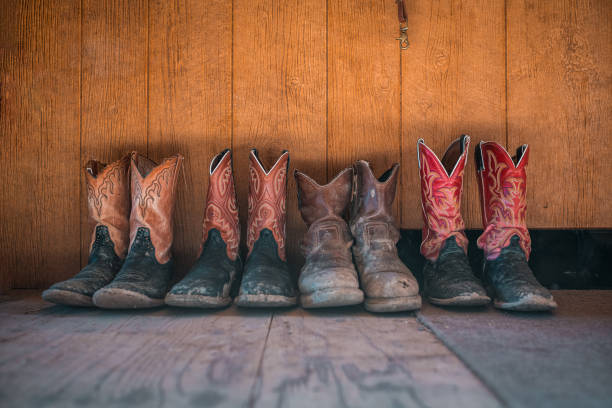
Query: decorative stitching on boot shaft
x=503 y=193
x=221 y=210
x=108 y=200
x=267 y=201
x=441 y=197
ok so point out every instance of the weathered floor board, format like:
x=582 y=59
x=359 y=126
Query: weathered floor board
x=58 y=356
x=351 y=358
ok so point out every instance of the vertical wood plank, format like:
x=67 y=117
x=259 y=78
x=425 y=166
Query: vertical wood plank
x=364 y=85
x=560 y=102
x=39 y=158
x=114 y=78
x=279 y=94
x=190 y=103
x=453 y=83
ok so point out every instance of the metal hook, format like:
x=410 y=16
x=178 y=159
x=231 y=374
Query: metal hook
x=403 y=38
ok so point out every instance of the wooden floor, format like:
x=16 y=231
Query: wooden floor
x=63 y=357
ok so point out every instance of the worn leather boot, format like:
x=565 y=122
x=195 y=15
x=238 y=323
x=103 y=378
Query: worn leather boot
x=209 y=282
x=505 y=240
x=448 y=276
x=143 y=279
x=328 y=277
x=108 y=202
x=267 y=280
x=388 y=284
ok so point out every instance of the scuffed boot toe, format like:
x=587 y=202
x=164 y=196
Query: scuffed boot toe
x=113 y=297
x=67 y=295
x=392 y=292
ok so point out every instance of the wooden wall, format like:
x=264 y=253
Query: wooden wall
x=87 y=79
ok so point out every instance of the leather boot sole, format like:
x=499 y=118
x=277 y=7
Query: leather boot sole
x=197 y=301
x=114 y=298
x=529 y=303
x=66 y=297
x=395 y=304
x=331 y=298
x=265 y=301
x=473 y=299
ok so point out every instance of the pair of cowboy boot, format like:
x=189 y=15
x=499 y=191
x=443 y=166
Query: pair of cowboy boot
x=267 y=280
x=329 y=276
x=114 y=276
x=448 y=277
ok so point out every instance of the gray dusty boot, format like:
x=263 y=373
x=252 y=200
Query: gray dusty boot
x=328 y=277
x=209 y=282
x=388 y=284
x=448 y=276
x=108 y=201
x=505 y=240
x=143 y=279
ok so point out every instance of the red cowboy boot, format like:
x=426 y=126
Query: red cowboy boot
x=209 y=282
x=143 y=279
x=108 y=199
x=267 y=280
x=505 y=240
x=388 y=284
x=448 y=276
x=328 y=277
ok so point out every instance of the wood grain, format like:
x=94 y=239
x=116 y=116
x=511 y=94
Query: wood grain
x=453 y=83
x=114 y=97
x=166 y=357
x=560 y=103
x=364 y=86
x=350 y=358
x=190 y=104
x=279 y=96
x=39 y=157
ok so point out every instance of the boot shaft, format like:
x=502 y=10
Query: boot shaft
x=153 y=196
x=502 y=181
x=317 y=202
x=267 y=201
x=372 y=207
x=441 y=189
x=221 y=211
x=108 y=201
x=323 y=208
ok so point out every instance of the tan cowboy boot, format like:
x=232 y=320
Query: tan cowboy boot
x=108 y=202
x=388 y=284
x=328 y=278
x=143 y=279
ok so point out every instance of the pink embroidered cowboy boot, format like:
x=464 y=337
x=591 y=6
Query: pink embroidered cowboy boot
x=505 y=240
x=448 y=276
x=210 y=281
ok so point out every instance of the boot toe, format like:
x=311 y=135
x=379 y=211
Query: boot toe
x=115 y=297
x=328 y=279
x=390 y=285
x=64 y=296
x=466 y=293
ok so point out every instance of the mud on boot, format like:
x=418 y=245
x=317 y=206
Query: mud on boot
x=108 y=202
x=505 y=240
x=448 y=276
x=143 y=279
x=267 y=280
x=210 y=281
